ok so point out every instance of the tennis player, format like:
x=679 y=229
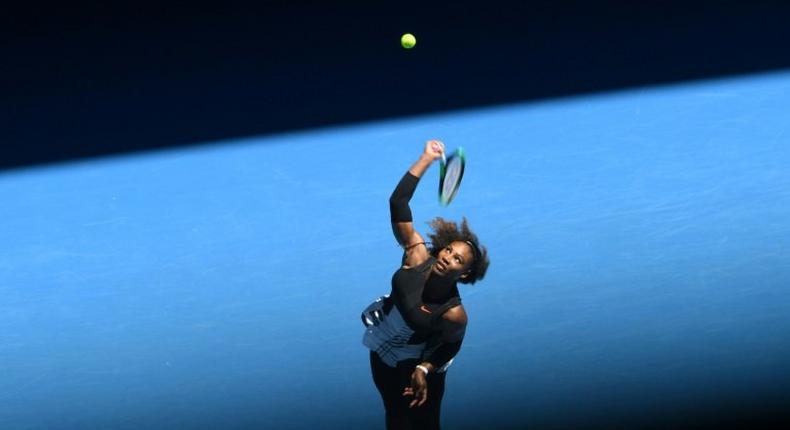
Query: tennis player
x=415 y=332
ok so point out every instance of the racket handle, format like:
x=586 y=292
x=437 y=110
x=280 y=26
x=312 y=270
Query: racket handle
x=444 y=159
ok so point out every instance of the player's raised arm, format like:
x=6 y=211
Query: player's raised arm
x=400 y=213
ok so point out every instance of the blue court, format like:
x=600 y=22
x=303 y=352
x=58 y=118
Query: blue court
x=639 y=243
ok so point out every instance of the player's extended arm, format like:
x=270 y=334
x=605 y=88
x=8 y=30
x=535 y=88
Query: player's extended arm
x=400 y=213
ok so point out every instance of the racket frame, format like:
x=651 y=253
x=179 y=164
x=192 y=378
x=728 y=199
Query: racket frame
x=459 y=154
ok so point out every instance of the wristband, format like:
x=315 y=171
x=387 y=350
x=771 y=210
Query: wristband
x=423 y=368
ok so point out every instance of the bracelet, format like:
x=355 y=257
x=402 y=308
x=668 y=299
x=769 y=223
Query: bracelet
x=423 y=368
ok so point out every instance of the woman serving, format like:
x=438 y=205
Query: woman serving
x=415 y=332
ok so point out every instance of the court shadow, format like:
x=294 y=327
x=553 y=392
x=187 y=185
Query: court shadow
x=92 y=81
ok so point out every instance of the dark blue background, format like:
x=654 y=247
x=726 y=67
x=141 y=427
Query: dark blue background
x=639 y=231
x=84 y=79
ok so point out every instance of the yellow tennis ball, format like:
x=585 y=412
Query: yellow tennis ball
x=408 y=41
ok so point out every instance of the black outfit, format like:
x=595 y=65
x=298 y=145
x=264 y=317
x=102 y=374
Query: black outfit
x=406 y=295
x=424 y=318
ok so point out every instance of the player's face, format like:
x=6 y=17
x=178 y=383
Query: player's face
x=454 y=260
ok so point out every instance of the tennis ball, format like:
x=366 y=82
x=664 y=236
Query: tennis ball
x=408 y=41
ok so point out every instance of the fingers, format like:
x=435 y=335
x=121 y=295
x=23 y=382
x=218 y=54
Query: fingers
x=435 y=146
x=423 y=396
x=419 y=399
x=410 y=392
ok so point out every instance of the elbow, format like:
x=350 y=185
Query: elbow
x=395 y=203
x=399 y=210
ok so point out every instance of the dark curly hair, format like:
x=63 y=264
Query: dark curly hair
x=446 y=232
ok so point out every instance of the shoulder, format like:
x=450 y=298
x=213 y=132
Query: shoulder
x=415 y=252
x=454 y=324
x=456 y=316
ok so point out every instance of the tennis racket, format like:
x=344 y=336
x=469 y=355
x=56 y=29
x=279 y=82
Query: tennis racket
x=450 y=175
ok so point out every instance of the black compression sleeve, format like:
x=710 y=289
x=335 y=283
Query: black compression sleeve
x=399 y=200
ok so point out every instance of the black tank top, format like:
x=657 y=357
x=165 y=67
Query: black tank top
x=408 y=287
